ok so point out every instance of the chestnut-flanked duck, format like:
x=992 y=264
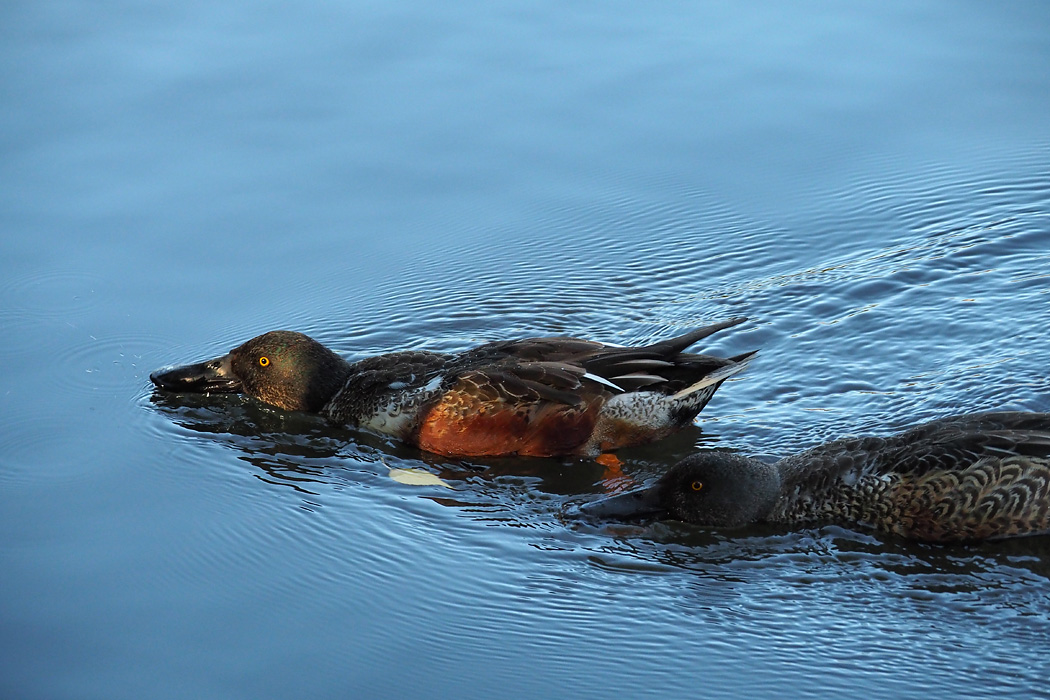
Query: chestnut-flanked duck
x=971 y=477
x=536 y=396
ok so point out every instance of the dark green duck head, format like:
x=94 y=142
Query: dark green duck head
x=282 y=368
x=708 y=488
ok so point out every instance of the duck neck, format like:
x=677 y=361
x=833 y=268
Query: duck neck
x=771 y=487
x=790 y=470
x=328 y=377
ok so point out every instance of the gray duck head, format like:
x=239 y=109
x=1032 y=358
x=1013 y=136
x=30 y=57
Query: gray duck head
x=285 y=369
x=708 y=488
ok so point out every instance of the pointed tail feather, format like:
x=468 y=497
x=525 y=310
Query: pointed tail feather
x=743 y=356
x=673 y=346
x=719 y=375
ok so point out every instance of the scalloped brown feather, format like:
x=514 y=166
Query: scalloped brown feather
x=971 y=477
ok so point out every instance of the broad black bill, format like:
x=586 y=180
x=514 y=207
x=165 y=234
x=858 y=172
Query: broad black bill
x=214 y=375
x=633 y=505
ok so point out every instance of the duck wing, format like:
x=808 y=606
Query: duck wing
x=957 y=442
x=945 y=444
x=518 y=383
x=662 y=366
x=970 y=477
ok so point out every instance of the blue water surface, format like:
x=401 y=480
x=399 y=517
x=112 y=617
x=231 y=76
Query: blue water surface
x=868 y=182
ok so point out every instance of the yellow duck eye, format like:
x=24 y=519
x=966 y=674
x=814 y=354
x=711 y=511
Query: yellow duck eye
x=264 y=361
x=697 y=485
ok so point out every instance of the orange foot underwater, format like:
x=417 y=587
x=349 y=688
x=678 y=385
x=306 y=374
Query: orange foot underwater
x=613 y=478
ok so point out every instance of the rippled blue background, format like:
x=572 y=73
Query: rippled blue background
x=869 y=182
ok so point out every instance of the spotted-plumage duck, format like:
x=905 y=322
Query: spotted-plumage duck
x=970 y=477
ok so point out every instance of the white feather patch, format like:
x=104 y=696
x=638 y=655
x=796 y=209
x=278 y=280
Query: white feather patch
x=601 y=380
x=718 y=375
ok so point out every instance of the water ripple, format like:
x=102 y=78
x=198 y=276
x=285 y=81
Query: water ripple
x=48 y=294
x=107 y=365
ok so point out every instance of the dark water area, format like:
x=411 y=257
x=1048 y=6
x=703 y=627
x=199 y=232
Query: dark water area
x=868 y=182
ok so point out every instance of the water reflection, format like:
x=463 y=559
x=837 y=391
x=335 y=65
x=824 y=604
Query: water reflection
x=294 y=449
x=309 y=455
x=285 y=449
x=772 y=572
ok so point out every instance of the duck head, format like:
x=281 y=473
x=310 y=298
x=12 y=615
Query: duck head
x=285 y=369
x=708 y=488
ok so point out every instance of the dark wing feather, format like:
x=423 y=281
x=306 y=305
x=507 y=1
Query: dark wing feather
x=524 y=383
x=947 y=444
x=662 y=365
x=673 y=346
x=957 y=442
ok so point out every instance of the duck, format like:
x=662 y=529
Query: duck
x=973 y=477
x=542 y=397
